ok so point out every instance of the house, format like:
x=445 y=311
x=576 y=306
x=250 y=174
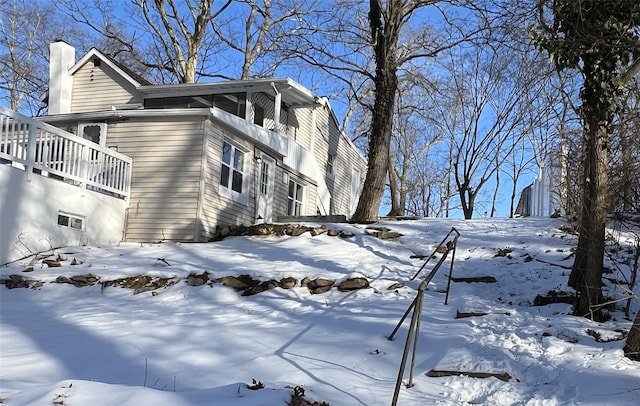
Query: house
x=547 y=195
x=146 y=163
x=207 y=155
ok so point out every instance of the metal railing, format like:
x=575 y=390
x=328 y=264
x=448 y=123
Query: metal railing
x=416 y=306
x=43 y=149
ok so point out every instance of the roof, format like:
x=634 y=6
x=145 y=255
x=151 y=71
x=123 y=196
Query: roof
x=133 y=78
x=293 y=93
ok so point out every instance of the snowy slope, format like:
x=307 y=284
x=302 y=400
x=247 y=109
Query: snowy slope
x=202 y=345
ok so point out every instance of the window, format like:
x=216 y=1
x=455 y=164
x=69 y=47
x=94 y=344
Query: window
x=70 y=221
x=330 y=163
x=296 y=195
x=233 y=172
x=258 y=115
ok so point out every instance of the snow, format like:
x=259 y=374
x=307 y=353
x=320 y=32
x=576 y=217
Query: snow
x=185 y=345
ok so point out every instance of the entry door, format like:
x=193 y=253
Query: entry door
x=265 y=189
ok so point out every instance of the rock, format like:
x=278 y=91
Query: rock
x=441 y=249
x=298 y=231
x=382 y=233
x=353 y=284
x=28 y=269
x=344 y=234
x=318 y=230
x=79 y=281
x=288 y=283
x=241 y=282
x=84 y=280
x=19 y=281
x=264 y=286
x=51 y=263
x=141 y=283
x=332 y=233
x=197 y=280
x=396 y=285
x=305 y=281
x=320 y=285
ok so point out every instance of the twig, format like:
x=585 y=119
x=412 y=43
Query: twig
x=551 y=263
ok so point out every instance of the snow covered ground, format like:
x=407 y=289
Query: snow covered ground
x=202 y=345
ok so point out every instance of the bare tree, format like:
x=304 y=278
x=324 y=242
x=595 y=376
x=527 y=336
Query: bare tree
x=266 y=24
x=367 y=53
x=163 y=35
x=483 y=116
x=26 y=28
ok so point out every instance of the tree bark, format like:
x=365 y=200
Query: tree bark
x=384 y=34
x=632 y=344
x=397 y=208
x=586 y=274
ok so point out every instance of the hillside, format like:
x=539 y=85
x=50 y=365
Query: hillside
x=157 y=324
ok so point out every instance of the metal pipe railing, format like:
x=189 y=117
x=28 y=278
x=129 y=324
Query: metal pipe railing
x=416 y=306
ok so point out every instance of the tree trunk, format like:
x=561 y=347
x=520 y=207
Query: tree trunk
x=632 y=345
x=495 y=194
x=586 y=274
x=467 y=200
x=384 y=35
x=397 y=209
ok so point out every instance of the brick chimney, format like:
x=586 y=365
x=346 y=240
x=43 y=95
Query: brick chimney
x=62 y=57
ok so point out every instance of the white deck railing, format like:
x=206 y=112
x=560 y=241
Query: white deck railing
x=41 y=148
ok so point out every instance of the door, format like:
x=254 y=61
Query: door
x=266 y=177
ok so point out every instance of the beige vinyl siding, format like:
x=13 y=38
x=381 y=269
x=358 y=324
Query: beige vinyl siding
x=329 y=139
x=219 y=210
x=165 y=184
x=99 y=88
x=300 y=126
x=281 y=196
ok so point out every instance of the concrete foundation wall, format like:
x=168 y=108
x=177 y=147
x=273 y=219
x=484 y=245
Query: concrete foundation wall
x=29 y=215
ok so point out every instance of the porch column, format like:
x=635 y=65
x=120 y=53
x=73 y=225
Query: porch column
x=276 y=109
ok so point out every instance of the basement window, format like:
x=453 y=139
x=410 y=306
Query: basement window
x=70 y=221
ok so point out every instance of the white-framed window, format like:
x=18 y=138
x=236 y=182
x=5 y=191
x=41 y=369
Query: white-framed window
x=331 y=159
x=70 y=220
x=295 y=199
x=94 y=132
x=234 y=172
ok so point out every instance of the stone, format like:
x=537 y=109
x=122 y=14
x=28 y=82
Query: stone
x=288 y=283
x=320 y=285
x=197 y=280
x=264 y=286
x=396 y=285
x=318 y=230
x=382 y=233
x=332 y=233
x=305 y=281
x=241 y=282
x=298 y=231
x=353 y=284
x=18 y=281
x=51 y=263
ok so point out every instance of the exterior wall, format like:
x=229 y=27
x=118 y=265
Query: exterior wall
x=29 y=215
x=281 y=196
x=219 y=210
x=329 y=139
x=99 y=87
x=301 y=126
x=165 y=183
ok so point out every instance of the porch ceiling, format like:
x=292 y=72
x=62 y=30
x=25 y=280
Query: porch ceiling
x=293 y=94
